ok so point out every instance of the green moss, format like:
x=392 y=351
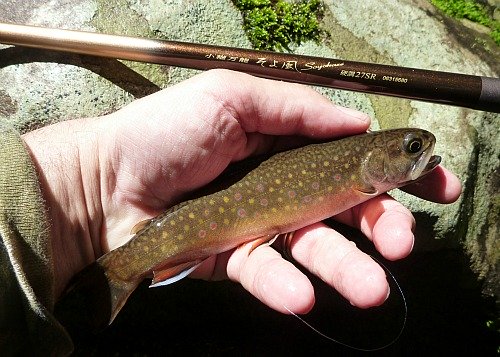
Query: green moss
x=471 y=10
x=275 y=24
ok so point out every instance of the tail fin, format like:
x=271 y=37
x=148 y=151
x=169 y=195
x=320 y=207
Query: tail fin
x=93 y=300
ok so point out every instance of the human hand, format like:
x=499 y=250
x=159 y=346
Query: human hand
x=101 y=176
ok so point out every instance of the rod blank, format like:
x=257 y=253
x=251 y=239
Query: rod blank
x=476 y=92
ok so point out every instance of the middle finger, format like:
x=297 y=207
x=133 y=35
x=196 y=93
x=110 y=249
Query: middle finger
x=338 y=262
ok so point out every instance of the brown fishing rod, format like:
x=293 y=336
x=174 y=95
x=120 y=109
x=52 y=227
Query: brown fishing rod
x=476 y=92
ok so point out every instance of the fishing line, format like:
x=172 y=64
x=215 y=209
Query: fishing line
x=324 y=335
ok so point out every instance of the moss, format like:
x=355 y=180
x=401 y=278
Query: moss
x=471 y=10
x=275 y=24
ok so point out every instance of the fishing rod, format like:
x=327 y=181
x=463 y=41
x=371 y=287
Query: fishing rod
x=475 y=92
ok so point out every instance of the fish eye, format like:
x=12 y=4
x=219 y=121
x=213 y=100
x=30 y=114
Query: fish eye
x=412 y=144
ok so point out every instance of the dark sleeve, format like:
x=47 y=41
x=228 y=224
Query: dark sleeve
x=27 y=325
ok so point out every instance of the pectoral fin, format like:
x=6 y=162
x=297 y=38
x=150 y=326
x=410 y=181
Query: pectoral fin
x=367 y=189
x=171 y=275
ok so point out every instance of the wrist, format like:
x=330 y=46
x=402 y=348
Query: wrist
x=65 y=158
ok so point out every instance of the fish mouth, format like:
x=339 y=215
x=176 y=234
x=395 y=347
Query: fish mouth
x=425 y=164
x=434 y=161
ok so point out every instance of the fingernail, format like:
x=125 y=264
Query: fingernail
x=354 y=113
x=388 y=293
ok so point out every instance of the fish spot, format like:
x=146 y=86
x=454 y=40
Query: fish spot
x=335 y=158
x=163 y=248
x=353 y=177
x=249 y=192
x=206 y=212
x=330 y=188
x=271 y=189
x=180 y=237
x=238 y=196
x=287 y=208
x=264 y=202
x=315 y=185
x=172 y=222
x=202 y=233
x=213 y=225
x=326 y=163
x=186 y=227
x=145 y=248
x=181 y=218
x=221 y=209
x=347 y=153
x=313 y=165
x=251 y=201
x=274 y=210
x=294 y=166
x=278 y=181
x=191 y=215
x=241 y=212
x=226 y=199
x=226 y=221
x=301 y=184
x=303 y=172
x=307 y=199
x=321 y=174
x=337 y=177
x=290 y=175
x=211 y=201
x=292 y=194
x=280 y=199
x=321 y=198
x=346 y=165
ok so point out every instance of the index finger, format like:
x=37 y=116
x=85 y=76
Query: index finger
x=440 y=186
x=279 y=108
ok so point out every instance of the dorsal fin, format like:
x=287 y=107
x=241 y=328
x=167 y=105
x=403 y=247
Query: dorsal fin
x=140 y=225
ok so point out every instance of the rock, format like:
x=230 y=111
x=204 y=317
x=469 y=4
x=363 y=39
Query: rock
x=36 y=89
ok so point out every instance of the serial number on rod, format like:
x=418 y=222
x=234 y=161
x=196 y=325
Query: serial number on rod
x=395 y=79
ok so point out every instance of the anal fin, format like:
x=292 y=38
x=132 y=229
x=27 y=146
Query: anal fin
x=268 y=240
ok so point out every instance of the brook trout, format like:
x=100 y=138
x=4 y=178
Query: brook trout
x=288 y=191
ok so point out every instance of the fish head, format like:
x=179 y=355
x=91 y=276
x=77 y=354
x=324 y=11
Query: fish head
x=398 y=157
